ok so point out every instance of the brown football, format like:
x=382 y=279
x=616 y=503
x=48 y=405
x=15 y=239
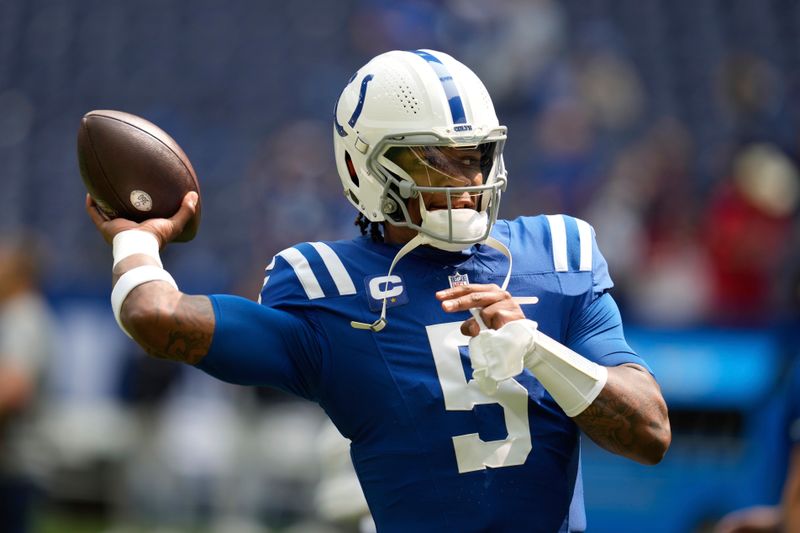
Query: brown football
x=133 y=169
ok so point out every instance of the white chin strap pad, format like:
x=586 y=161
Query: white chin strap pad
x=468 y=225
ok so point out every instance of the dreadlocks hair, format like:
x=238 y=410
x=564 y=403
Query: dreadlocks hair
x=365 y=225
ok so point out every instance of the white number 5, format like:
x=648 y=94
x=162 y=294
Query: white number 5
x=472 y=453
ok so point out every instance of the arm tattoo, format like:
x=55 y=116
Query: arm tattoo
x=627 y=418
x=188 y=337
x=609 y=422
x=178 y=327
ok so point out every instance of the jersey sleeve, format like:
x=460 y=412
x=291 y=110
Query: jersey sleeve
x=289 y=281
x=263 y=346
x=594 y=325
x=569 y=246
x=596 y=333
x=601 y=279
x=279 y=341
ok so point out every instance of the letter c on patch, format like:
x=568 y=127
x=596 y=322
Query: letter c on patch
x=393 y=287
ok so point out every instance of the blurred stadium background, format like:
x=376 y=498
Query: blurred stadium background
x=670 y=125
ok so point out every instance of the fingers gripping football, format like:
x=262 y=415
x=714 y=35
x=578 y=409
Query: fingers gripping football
x=497 y=306
x=165 y=229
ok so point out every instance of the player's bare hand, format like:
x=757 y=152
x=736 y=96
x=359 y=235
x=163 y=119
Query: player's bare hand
x=165 y=229
x=497 y=306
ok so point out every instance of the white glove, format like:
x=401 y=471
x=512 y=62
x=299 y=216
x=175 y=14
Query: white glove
x=496 y=355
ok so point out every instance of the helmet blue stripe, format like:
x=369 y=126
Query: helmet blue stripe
x=450 y=89
x=361 y=94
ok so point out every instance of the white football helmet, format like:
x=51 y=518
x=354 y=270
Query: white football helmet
x=420 y=98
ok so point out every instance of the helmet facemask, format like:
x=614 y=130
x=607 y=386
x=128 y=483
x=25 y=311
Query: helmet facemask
x=461 y=185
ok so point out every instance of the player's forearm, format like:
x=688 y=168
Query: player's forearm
x=620 y=408
x=169 y=324
x=629 y=416
x=165 y=322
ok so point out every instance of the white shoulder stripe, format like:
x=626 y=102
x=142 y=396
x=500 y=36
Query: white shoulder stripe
x=344 y=283
x=266 y=279
x=267 y=272
x=558 y=234
x=585 y=236
x=303 y=272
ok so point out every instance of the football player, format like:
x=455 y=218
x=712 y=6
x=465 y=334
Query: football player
x=462 y=380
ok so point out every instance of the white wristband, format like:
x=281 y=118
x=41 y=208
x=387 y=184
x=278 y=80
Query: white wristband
x=572 y=380
x=135 y=241
x=132 y=279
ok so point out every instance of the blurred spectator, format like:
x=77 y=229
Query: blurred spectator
x=784 y=517
x=752 y=92
x=179 y=474
x=338 y=497
x=611 y=89
x=527 y=34
x=26 y=343
x=672 y=285
x=747 y=233
x=589 y=103
x=563 y=160
x=646 y=221
x=787 y=291
x=617 y=214
x=381 y=25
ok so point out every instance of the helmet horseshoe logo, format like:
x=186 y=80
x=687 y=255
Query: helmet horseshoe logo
x=357 y=111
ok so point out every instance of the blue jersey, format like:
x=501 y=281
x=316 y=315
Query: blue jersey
x=432 y=452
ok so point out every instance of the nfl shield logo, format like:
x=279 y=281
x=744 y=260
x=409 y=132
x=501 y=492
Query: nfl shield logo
x=458 y=279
